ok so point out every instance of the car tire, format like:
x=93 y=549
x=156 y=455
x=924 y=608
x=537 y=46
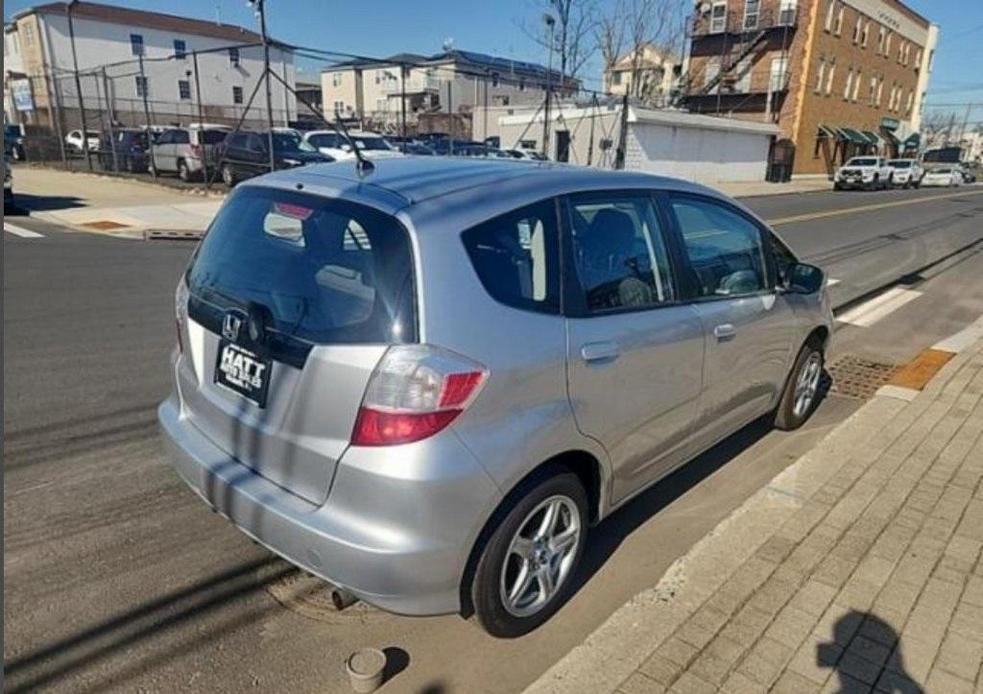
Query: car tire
x=522 y=528
x=183 y=172
x=801 y=394
x=837 y=186
x=228 y=176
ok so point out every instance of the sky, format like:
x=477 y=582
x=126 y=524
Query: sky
x=384 y=27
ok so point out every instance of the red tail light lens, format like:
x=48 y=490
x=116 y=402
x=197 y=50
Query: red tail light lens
x=414 y=392
x=196 y=151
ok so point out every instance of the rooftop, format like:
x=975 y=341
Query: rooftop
x=115 y=14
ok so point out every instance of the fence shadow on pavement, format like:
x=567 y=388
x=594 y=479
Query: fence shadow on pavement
x=836 y=653
x=152 y=619
x=27 y=202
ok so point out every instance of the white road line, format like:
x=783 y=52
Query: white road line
x=869 y=312
x=832 y=282
x=20 y=231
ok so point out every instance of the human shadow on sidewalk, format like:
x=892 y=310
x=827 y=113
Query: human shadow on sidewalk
x=850 y=664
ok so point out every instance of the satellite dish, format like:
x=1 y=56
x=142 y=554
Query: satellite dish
x=448 y=44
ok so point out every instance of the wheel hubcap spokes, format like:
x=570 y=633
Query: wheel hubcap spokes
x=807 y=384
x=540 y=556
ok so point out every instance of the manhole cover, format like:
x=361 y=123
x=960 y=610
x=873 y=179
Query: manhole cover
x=105 y=225
x=310 y=597
x=856 y=377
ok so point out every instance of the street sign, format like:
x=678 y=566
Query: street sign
x=23 y=99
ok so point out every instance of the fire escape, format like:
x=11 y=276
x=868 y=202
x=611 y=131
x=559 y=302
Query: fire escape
x=733 y=38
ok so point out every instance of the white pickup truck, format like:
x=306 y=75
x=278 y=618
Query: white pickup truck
x=869 y=173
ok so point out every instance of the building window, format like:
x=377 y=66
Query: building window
x=136 y=44
x=751 y=9
x=821 y=76
x=880 y=92
x=339 y=106
x=378 y=76
x=336 y=79
x=829 y=77
x=880 y=40
x=857 y=29
x=830 y=14
x=234 y=57
x=911 y=101
x=718 y=17
x=918 y=59
x=872 y=96
x=865 y=35
x=777 y=76
x=236 y=95
x=887 y=44
x=143 y=86
x=616 y=77
x=848 y=87
x=786 y=12
x=180 y=49
x=856 y=86
x=710 y=72
x=839 y=21
x=29 y=34
x=184 y=89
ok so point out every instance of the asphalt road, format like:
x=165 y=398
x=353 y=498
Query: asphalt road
x=118 y=578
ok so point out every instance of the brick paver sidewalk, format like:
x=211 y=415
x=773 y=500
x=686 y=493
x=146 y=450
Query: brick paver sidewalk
x=858 y=569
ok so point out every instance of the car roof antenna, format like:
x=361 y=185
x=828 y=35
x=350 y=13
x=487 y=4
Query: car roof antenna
x=362 y=165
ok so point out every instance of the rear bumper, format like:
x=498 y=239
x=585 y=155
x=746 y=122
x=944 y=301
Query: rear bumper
x=395 y=540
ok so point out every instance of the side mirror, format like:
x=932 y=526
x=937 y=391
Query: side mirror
x=801 y=278
x=346 y=147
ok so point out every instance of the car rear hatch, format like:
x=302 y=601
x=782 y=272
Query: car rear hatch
x=287 y=307
x=210 y=141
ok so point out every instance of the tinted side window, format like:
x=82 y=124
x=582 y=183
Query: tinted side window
x=620 y=252
x=784 y=258
x=180 y=137
x=516 y=259
x=236 y=140
x=725 y=249
x=165 y=138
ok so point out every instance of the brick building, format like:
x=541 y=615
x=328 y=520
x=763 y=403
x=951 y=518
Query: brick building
x=838 y=77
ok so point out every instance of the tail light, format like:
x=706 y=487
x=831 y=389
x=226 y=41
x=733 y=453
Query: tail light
x=196 y=151
x=414 y=392
x=180 y=311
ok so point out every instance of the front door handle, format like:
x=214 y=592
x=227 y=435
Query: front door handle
x=600 y=351
x=725 y=331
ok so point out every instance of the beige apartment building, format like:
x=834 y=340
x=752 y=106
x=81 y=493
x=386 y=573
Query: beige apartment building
x=838 y=77
x=651 y=77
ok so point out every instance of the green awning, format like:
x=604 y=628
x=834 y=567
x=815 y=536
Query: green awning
x=828 y=131
x=854 y=136
x=913 y=141
x=891 y=137
x=872 y=137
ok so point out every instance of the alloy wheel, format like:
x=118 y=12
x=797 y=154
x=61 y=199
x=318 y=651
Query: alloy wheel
x=541 y=556
x=807 y=384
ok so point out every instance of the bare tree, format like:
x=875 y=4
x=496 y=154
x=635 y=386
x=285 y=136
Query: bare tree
x=937 y=128
x=571 y=45
x=634 y=27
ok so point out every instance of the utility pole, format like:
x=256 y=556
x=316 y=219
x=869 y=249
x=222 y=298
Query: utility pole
x=550 y=24
x=111 y=116
x=260 y=6
x=590 y=143
x=619 y=155
x=403 y=72
x=194 y=61
x=78 y=82
x=450 y=115
x=146 y=113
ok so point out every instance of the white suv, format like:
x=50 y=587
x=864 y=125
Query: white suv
x=869 y=173
x=906 y=173
x=336 y=146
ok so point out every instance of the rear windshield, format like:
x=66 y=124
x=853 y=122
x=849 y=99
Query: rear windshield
x=211 y=137
x=900 y=164
x=325 y=140
x=862 y=162
x=323 y=271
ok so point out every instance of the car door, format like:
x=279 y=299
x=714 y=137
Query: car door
x=634 y=349
x=160 y=151
x=748 y=324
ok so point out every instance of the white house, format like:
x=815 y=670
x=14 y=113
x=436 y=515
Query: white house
x=110 y=41
x=451 y=82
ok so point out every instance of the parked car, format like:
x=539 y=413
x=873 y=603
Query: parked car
x=868 y=173
x=8 y=185
x=402 y=403
x=526 y=154
x=906 y=173
x=189 y=152
x=74 y=140
x=949 y=176
x=246 y=154
x=13 y=141
x=409 y=145
x=336 y=145
x=124 y=149
x=970 y=173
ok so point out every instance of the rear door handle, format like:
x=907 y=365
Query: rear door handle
x=724 y=331
x=598 y=351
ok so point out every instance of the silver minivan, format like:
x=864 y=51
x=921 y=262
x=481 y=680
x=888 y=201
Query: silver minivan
x=189 y=152
x=424 y=383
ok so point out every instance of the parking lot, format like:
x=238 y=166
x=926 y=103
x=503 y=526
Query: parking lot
x=137 y=586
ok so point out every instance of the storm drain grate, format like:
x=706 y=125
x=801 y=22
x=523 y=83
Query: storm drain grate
x=855 y=377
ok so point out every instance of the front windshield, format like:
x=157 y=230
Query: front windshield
x=290 y=142
x=942 y=171
x=371 y=143
x=900 y=164
x=862 y=161
x=325 y=140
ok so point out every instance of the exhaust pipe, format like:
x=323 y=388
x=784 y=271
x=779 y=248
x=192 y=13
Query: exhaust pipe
x=342 y=598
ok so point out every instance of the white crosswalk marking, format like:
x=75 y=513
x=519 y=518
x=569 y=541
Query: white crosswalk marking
x=832 y=282
x=20 y=231
x=869 y=312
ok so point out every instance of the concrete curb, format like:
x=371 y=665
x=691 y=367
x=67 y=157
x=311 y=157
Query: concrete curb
x=626 y=639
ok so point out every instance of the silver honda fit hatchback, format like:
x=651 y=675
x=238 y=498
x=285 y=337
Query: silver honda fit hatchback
x=425 y=383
